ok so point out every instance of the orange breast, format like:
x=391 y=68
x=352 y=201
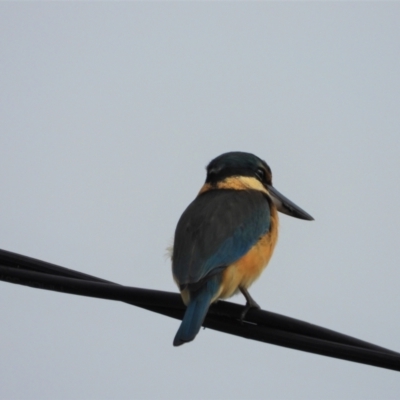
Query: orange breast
x=247 y=269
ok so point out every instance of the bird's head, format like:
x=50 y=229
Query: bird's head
x=257 y=173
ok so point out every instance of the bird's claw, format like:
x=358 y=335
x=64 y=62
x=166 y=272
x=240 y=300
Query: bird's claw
x=248 y=307
x=250 y=303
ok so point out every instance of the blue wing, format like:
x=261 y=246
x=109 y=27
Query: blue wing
x=216 y=229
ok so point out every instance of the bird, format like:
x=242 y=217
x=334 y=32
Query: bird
x=226 y=236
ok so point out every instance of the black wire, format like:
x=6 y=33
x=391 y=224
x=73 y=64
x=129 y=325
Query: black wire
x=223 y=316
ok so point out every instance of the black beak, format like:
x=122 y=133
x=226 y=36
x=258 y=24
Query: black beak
x=285 y=206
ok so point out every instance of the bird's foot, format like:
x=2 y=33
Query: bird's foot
x=250 y=303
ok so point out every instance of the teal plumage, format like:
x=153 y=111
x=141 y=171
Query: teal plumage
x=226 y=236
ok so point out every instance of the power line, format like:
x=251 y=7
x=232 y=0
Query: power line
x=260 y=325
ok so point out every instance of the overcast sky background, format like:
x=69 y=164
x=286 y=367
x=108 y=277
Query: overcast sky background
x=109 y=113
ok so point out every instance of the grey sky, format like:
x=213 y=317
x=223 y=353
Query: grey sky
x=109 y=113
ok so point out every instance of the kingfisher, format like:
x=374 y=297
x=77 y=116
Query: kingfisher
x=226 y=236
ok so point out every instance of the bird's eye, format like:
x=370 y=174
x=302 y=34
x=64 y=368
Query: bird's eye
x=260 y=173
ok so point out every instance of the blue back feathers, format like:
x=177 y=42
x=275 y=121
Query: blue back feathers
x=216 y=229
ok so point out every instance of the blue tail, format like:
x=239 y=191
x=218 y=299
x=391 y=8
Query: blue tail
x=196 y=311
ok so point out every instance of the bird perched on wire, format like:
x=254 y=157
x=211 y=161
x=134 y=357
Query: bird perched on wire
x=226 y=236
